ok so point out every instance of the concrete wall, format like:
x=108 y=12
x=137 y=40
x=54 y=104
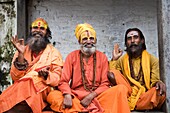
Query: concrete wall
x=164 y=45
x=7 y=19
x=110 y=18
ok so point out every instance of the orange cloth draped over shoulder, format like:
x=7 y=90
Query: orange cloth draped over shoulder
x=28 y=85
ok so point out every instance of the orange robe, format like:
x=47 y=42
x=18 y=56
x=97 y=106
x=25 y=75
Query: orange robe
x=109 y=100
x=28 y=85
x=144 y=95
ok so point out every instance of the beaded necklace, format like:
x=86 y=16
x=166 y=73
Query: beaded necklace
x=132 y=70
x=84 y=79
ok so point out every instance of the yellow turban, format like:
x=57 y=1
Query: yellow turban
x=80 y=28
x=39 y=22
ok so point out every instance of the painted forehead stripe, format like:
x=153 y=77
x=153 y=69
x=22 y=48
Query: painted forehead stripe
x=39 y=23
x=88 y=34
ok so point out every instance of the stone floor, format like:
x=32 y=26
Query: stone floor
x=147 y=112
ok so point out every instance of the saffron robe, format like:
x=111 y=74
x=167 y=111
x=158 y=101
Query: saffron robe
x=28 y=85
x=140 y=89
x=109 y=100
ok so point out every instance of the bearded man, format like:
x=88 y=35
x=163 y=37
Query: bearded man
x=139 y=71
x=84 y=86
x=36 y=67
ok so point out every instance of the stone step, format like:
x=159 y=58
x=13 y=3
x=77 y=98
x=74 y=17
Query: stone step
x=147 y=112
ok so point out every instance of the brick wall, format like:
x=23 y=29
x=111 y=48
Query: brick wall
x=110 y=18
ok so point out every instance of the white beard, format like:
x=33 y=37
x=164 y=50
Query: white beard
x=88 y=51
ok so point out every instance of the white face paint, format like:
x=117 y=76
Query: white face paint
x=88 y=43
x=132 y=33
x=133 y=38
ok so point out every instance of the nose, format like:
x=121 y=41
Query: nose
x=88 y=40
x=133 y=39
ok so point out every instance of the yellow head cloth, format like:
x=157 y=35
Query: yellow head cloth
x=39 y=22
x=80 y=28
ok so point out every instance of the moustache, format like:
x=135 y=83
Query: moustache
x=132 y=45
x=87 y=44
x=39 y=33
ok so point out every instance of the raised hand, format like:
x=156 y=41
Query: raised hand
x=161 y=86
x=18 y=44
x=117 y=52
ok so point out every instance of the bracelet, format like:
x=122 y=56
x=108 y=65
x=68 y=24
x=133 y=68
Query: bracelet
x=21 y=66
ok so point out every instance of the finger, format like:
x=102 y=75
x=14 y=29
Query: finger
x=157 y=86
x=48 y=68
x=64 y=106
x=163 y=89
x=116 y=46
x=161 y=92
x=12 y=39
x=16 y=38
x=40 y=73
x=21 y=41
x=120 y=50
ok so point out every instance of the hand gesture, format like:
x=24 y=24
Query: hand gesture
x=67 y=103
x=87 y=99
x=44 y=73
x=161 y=87
x=18 y=44
x=117 y=52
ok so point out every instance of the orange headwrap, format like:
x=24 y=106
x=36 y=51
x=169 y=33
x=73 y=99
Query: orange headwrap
x=80 y=28
x=39 y=22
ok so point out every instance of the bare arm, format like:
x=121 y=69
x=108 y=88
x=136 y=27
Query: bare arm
x=19 y=45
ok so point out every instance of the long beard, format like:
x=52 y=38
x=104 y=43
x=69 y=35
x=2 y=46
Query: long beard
x=88 y=51
x=37 y=43
x=137 y=52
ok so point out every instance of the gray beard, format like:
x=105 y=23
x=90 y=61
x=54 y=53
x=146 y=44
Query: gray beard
x=87 y=51
x=37 y=44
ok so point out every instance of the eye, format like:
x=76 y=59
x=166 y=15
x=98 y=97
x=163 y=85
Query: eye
x=129 y=37
x=42 y=28
x=91 y=38
x=35 y=27
x=135 y=36
x=84 y=39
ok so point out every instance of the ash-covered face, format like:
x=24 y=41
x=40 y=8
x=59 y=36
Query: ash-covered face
x=87 y=43
x=134 y=44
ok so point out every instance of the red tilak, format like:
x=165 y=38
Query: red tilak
x=39 y=23
x=88 y=34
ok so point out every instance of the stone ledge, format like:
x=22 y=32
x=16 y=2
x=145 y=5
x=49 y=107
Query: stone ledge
x=147 y=112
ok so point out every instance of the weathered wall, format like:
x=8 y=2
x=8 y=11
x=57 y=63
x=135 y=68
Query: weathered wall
x=7 y=30
x=7 y=19
x=164 y=45
x=110 y=18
